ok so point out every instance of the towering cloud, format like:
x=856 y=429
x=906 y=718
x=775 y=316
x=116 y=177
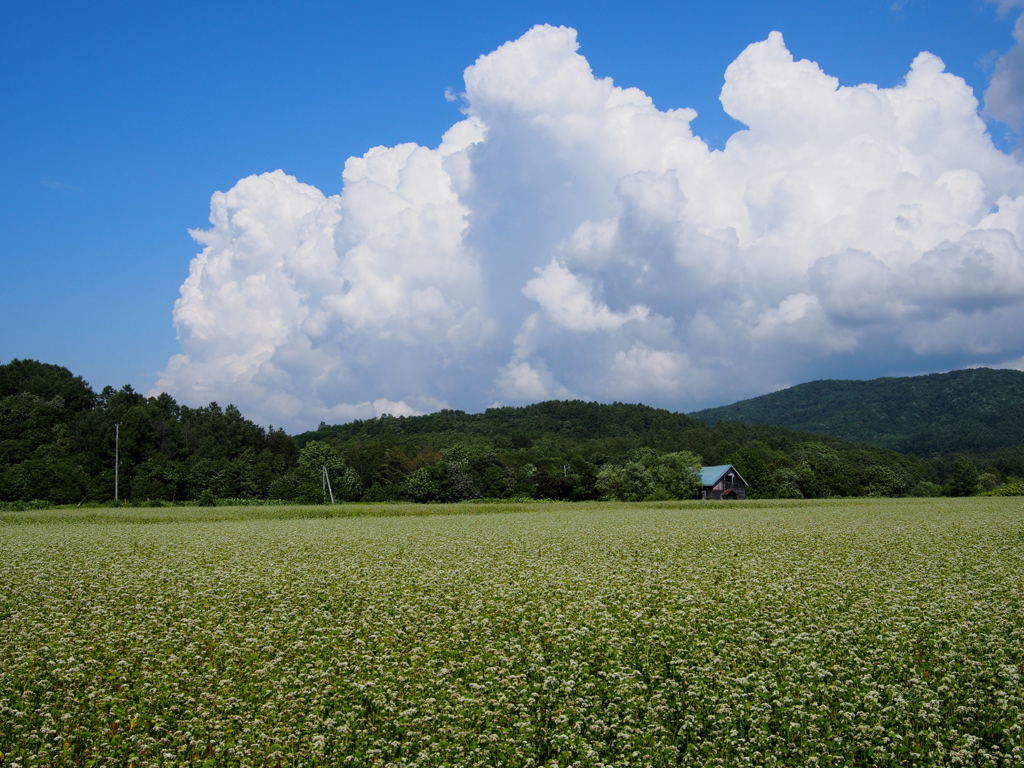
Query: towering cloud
x=569 y=239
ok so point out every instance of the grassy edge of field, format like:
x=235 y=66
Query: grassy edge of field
x=147 y=515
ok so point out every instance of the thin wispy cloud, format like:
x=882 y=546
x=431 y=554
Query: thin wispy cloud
x=1004 y=98
x=60 y=186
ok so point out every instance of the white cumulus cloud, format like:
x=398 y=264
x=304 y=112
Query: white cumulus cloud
x=567 y=238
x=569 y=304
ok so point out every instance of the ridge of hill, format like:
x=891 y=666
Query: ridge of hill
x=563 y=439
x=517 y=426
x=61 y=441
x=976 y=411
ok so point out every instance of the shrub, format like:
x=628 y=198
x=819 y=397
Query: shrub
x=1010 y=489
x=924 y=489
x=24 y=506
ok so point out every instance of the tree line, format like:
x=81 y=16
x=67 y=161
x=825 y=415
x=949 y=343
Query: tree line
x=57 y=442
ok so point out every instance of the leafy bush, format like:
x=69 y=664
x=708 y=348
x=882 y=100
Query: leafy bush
x=24 y=506
x=1010 y=489
x=926 y=490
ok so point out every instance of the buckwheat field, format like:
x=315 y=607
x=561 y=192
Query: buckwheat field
x=867 y=633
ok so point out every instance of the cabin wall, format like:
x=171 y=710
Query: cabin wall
x=718 y=489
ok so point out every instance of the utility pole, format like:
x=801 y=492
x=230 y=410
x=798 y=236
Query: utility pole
x=117 y=457
x=327 y=482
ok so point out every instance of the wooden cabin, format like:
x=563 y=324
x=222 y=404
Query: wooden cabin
x=722 y=482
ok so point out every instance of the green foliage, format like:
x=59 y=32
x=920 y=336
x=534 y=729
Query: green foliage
x=987 y=481
x=630 y=481
x=761 y=465
x=785 y=484
x=555 y=450
x=925 y=489
x=650 y=475
x=887 y=481
x=1010 y=489
x=50 y=383
x=314 y=457
x=57 y=442
x=676 y=475
x=455 y=477
x=979 y=412
x=21 y=506
x=422 y=485
x=965 y=477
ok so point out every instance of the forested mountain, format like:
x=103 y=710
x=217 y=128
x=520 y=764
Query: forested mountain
x=978 y=412
x=57 y=442
x=562 y=446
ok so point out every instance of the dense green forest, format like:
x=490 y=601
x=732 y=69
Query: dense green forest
x=561 y=448
x=57 y=442
x=977 y=412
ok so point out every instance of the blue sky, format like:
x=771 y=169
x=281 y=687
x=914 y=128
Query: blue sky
x=121 y=120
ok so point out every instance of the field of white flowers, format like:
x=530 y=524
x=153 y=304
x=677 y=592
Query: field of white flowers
x=868 y=633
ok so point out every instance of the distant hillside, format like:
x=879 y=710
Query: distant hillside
x=628 y=426
x=565 y=443
x=977 y=411
x=60 y=442
x=596 y=431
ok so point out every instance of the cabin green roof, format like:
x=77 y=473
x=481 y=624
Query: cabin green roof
x=711 y=475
